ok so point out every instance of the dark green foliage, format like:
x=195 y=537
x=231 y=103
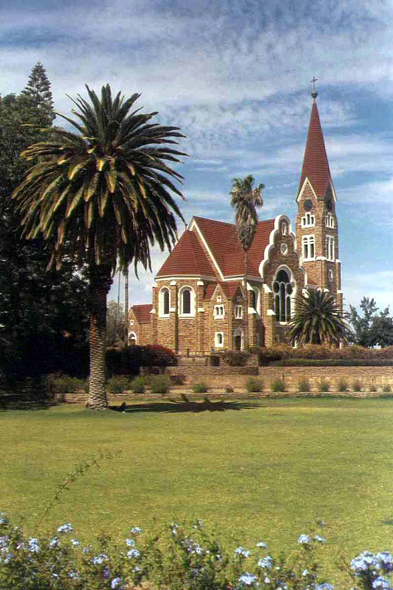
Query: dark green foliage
x=357 y=385
x=342 y=385
x=278 y=385
x=386 y=388
x=129 y=360
x=138 y=385
x=323 y=385
x=42 y=314
x=229 y=389
x=119 y=384
x=38 y=92
x=304 y=385
x=317 y=320
x=66 y=384
x=369 y=327
x=235 y=358
x=254 y=385
x=201 y=387
x=160 y=384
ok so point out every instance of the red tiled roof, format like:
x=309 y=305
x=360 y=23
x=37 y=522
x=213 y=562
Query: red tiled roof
x=225 y=247
x=315 y=163
x=209 y=291
x=142 y=312
x=187 y=258
x=230 y=288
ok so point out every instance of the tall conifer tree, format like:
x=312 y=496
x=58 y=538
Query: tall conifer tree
x=38 y=91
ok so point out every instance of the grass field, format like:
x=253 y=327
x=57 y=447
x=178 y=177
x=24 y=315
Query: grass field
x=257 y=470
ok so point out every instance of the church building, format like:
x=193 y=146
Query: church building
x=200 y=302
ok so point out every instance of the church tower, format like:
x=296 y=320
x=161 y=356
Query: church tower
x=316 y=224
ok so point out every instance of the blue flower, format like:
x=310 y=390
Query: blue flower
x=247 y=579
x=65 y=528
x=385 y=561
x=8 y=557
x=75 y=542
x=34 y=546
x=266 y=563
x=243 y=552
x=74 y=575
x=304 y=540
x=130 y=542
x=262 y=545
x=4 y=541
x=320 y=539
x=135 y=530
x=324 y=586
x=133 y=553
x=86 y=550
x=55 y=542
x=116 y=583
x=364 y=562
x=99 y=559
x=381 y=583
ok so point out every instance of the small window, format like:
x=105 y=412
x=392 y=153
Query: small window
x=284 y=228
x=218 y=298
x=308 y=220
x=186 y=300
x=253 y=301
x=329 y=220
x=219 y=311
x=308 y=243
x=164 y=302
x=219 y=339
x=329 y=247
x=238 y=312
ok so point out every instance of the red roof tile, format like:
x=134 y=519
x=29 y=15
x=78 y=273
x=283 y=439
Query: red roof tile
x=315 y=163
x=187 y=258
x=225 y=247
x=209 y=291
x=230 y=288
x=142 y=312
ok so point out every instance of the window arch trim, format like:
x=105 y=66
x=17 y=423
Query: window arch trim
x=186 y=307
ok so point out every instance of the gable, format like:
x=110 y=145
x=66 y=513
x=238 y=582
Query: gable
x=187 y=259
x=142 y=313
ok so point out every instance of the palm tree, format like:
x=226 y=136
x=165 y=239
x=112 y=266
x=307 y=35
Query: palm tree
x=318 y=320
x=245 y=199
x=102 y=196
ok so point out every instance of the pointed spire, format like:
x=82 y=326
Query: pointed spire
x=315 y=162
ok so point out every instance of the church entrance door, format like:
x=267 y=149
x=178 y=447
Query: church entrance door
x=238 y=342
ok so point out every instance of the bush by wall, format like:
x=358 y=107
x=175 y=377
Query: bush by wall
x=235 y=358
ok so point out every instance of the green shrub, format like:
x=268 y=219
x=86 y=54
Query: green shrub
x=313 y=351
x=278 y=385
x=298 y=362
x=160 y=384
x=254 y=385
x=138 y=385
x=342 y=385
x=304 y=385
x=373 y=387
x=386 y=389
x=229 y=389
x=119 y=384
x=323 y=385
x=275 y=353
x=201 y=388
x=177 y=379
x=357 y=385
x=67 y=384
x=235 y=358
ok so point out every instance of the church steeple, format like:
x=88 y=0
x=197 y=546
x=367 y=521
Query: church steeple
x=315 y=162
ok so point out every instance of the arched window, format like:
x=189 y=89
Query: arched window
x=284 y=228
x=164 y=302
x=132 y=339
x=219 y=339
x=187 y=301
x=253 y=300
x=282 y=296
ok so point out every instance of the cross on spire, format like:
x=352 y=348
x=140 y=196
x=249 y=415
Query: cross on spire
x=314 y=93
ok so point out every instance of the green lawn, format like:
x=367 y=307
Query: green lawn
x=255 y=471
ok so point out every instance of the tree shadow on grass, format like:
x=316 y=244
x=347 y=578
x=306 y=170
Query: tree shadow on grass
x=174 y=406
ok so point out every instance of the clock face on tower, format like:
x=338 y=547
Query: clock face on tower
x=307 y=205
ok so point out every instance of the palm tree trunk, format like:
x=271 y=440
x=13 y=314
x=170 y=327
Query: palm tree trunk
x=126 y=304
x=100 y=282
x=246 y=343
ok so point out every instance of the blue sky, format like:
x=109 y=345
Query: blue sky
x=235 y=77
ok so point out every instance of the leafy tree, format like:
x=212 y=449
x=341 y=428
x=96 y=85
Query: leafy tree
x=39 y=93
x=245 y=199
x=103 y=195
x=370 y=328
x=42 y=325
x=317 y=320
